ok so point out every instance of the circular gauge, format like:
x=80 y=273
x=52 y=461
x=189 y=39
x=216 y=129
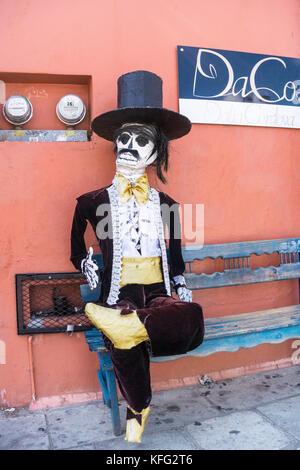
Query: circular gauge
x=70 y=109
x=17 y=110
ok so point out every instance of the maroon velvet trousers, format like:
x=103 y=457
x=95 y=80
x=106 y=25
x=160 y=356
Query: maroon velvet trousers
x=173 y=327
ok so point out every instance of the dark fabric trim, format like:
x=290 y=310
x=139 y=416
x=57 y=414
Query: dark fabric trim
x=131 y=415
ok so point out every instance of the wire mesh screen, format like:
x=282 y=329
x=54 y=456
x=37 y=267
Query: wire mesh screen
x=50 y=303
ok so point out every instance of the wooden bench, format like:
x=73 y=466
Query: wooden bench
x=226 y=333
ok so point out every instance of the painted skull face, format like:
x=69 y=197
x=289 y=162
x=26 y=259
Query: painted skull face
x=135 y=147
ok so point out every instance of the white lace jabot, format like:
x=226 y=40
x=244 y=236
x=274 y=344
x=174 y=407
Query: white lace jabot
x=130 y=219
x=138 y=222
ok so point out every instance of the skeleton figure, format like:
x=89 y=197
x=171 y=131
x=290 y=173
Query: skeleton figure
x=136 y=312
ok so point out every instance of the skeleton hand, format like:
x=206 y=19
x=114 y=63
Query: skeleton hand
x=89 y=268
x=184 y=294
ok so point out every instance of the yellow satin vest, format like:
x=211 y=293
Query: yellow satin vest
x=141 y=270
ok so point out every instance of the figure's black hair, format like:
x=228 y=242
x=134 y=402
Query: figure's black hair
x=161 y=145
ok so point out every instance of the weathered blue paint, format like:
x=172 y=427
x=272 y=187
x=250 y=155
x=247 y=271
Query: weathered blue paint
x=241 y=276
x=234 y=343
x=241 y=249
x=88 y=294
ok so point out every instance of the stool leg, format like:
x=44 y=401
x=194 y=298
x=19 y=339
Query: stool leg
x=114 y=409
x=110 y=390
x=103 y=385
x=106 y=377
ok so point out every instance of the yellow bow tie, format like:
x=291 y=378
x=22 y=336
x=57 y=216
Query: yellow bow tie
x=140 y=189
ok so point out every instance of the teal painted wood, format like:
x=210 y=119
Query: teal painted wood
x=242 y=276
x=237 y=268
x=101 y=375
x=88 y=294
x=271 y=319
x=234 y=343
x=94 y=339
x=99 y=259
x=241 y=249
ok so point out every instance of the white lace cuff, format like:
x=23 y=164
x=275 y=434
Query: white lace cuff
x=179 y=280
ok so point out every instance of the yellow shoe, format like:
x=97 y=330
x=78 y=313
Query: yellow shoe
x=135 y=427
x=124 y=331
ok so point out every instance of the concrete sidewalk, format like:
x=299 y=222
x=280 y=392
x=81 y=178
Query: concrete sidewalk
x=259 y=411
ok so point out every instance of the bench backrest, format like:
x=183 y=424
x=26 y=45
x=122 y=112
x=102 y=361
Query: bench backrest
x=236 y=258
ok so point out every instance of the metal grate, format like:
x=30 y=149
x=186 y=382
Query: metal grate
x=50 y=303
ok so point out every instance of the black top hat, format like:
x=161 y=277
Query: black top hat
x=140 y=100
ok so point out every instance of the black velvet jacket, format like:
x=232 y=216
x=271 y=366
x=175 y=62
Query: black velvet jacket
x=85 y=212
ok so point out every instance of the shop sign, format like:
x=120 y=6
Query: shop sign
x=238 y=88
